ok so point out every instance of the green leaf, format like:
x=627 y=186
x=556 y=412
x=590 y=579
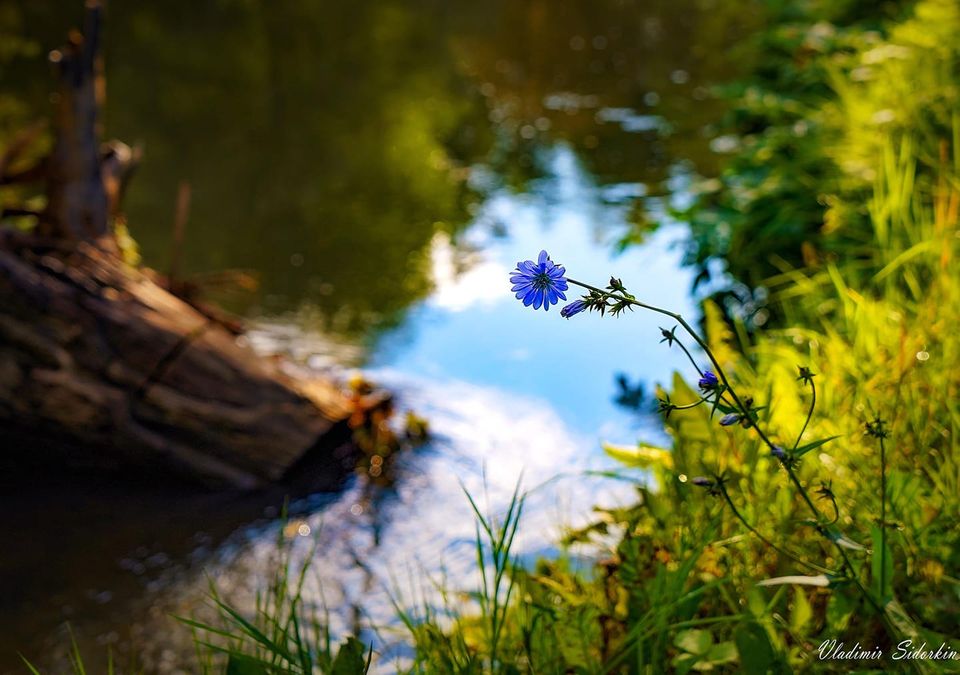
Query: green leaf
x=694 y=641
x=350 y=659
x=756 y=602
x=842 y=540
x=801 y=613
x=839 y=611
x=804 y=449
x=240 y=664
x=821 y=580
x=33 y=670
x=641 y=455
x=722 y=652
x=757 y=655
x=684 y=663
x=881 y=567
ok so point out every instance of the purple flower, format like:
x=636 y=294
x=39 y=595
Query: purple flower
x=702 y=481
x=730 y=419
x=574 y=307
x=779 y=453
x=709 y=381
x=539 y=283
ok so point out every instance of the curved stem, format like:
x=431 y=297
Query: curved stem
x=836 y=512
x=883 y=516
x=689 y=356
x=783 y=551
x=689 y=405
x=813 y=404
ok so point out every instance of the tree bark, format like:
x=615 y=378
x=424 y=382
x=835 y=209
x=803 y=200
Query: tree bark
x=103 y=366
x=77 y=206
x=100 y=365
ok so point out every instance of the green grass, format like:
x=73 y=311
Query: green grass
x=285 y=635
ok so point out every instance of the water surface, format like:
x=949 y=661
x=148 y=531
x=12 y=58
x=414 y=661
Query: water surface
x=378 y=167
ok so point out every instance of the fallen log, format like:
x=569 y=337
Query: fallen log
x=101 y=365
x=108 y=369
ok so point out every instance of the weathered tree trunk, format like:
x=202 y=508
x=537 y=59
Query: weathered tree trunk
x=76 y=197
x=101 y=365
x=96 y=357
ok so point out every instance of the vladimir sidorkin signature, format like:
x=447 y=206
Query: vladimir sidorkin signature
x=834 y=650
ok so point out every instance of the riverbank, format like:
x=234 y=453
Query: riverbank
x=842 y=186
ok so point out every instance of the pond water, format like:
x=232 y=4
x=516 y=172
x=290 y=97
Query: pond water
x=379 y=167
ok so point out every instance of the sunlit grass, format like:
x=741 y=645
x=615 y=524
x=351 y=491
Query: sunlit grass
x=285 y=634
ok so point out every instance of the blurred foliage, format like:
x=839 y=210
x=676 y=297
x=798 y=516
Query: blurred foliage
x=806 y=130
x=326 y=143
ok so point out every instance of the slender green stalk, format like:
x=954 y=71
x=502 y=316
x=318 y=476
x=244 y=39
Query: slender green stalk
x=813 y=404
x=690 y=356
x=689 y=406
x=883 y=516
x=782 y=551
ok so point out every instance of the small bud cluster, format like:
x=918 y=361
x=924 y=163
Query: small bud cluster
x=714 y=485
x=876 y=428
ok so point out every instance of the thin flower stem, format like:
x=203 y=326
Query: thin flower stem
x=813 y=404
x=836 y=512
x=689 y=356
x=696 y=367
x=690 y=405
x=856 y=580
x=883 y=516
x=782 y=551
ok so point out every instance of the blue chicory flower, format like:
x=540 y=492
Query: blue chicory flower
x=540 y=283
x=729 y=419
x=574 y=307
x=708 y=381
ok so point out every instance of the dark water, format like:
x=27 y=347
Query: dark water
x=378 y=167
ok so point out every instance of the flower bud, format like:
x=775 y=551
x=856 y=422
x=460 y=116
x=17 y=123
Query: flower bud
x=708 y=381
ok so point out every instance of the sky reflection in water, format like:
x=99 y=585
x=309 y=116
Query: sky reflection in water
x=509 y=392
x=472 y=328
